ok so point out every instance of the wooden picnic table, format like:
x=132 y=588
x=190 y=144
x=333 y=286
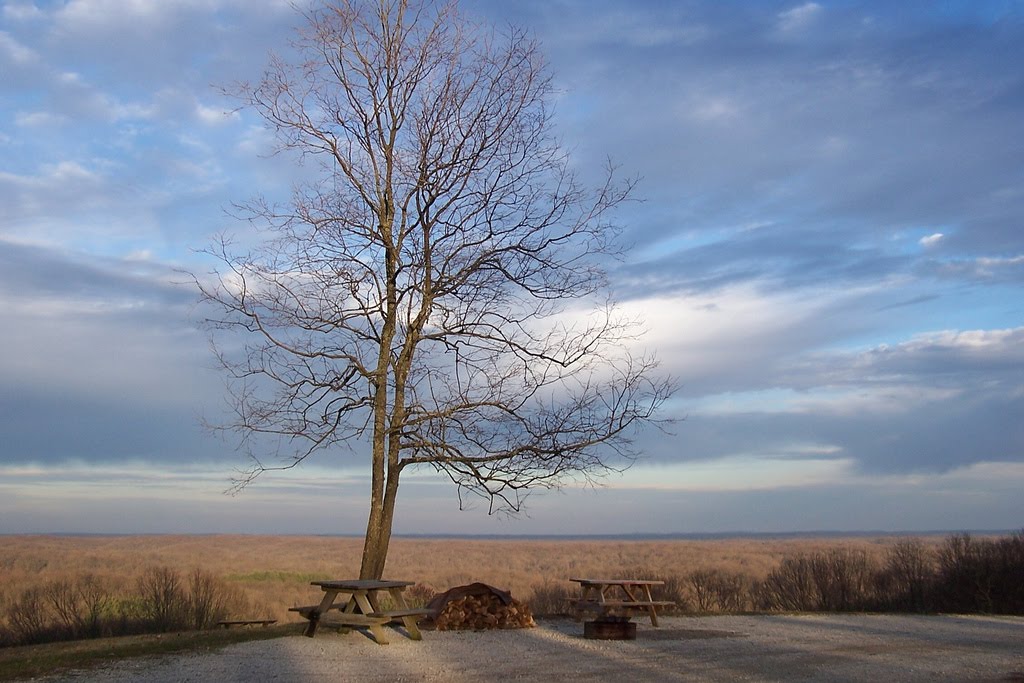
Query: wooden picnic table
x=610 y=597
x=356 y=603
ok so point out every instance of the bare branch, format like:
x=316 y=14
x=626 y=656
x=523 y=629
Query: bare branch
x=437 y=296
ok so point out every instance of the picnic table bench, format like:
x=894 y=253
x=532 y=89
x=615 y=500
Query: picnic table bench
x=356 y=603
x=228 y=623
x=615 y=597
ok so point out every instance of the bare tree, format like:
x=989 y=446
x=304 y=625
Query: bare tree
x=436 y=296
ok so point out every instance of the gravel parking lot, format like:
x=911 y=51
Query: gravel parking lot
x=729 y=648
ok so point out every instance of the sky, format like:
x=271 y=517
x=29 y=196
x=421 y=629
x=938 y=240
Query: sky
x=829 y=256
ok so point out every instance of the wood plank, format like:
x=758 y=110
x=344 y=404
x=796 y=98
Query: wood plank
x=360 y=584
x=348 y=619
x=396 y=613
x=594 y=604
x=228 y=623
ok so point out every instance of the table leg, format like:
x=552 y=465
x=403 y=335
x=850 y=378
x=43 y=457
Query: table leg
x=314 y=617
x=651 y=609
x=411 y=627
x=350 y=608
x=364 y=605
x=588 y=593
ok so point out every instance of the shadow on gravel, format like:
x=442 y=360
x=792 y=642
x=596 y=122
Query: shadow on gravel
x=937 y=632
x=689 y=634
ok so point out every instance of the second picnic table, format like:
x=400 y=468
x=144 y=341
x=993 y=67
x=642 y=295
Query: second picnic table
x=610 y=596
x=360 y=606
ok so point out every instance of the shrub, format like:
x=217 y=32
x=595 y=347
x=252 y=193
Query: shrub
x=981 y=575
x=715 y=590
x=552 y=598
x=418 y=595
x=164 y=603
x=29 y=618
x=907 y=581
x=208 y=600
x=835 y=581
x=79 y=606
x=68 y=609
x=789 y=587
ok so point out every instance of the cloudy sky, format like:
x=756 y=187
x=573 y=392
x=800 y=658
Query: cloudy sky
x=829 y=256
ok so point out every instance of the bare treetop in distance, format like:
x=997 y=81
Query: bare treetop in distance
x=436 y=298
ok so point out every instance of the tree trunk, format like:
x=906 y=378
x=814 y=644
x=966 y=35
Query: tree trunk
x=378 y=532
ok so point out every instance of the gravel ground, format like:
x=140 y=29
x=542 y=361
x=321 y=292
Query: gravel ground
x=742 y=648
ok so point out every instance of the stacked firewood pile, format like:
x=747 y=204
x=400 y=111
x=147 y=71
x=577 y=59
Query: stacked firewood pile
x=477 y=607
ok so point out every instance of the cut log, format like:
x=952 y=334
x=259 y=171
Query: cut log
x=483 y=612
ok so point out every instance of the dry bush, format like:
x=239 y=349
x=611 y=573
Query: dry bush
x=210 y=600
x=790 y=587
x=844 y=580
x=838 y=580
x=28 y=618
x=714 y=590
x=164 y=601
x=419 y=594
x=907 y=581
x=981 y=575
x=552 y=599
x=87 y=607
x=701 y=589
x=168 y=603
x=80 y=605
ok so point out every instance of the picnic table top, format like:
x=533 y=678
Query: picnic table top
x=619 y=582
x=360 y=584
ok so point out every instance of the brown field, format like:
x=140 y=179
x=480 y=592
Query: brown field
x=273 y=572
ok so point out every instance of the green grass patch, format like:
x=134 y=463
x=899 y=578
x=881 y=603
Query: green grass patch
x=31 y=661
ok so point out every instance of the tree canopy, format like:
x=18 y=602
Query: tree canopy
x=436 y=297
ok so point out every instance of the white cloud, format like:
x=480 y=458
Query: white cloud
x=18 y=53
x=989 y=262
x=799 y=18
x=215 y=116
x=834 y=146
x=742 y=472
x=707 y=338
x=637 y=27
x=80 y=203
x=256 y=141
x=140 y=255
x=39 y=119
x=984 y=267
x=51 y=175
x=995 y=341
x=103 y=346
x=906 y=366
x=22 y=11
x=931 y=240
x=92 y=17
x=712 y=109
x=88 y=13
